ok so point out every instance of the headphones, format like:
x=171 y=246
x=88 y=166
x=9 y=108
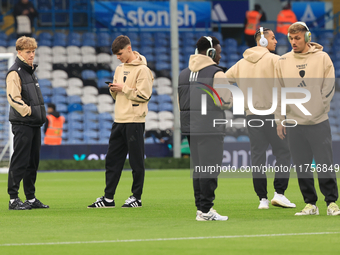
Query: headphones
x=263 y=40
x=308 y=35
x=211 y=52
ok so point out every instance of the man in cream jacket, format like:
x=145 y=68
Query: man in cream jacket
x=131 y=88
x=256 y=71
x=306 y=125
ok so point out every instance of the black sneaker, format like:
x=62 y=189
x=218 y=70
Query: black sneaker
x=102 y=203
x=132 y=202
x=36 y=204
x=18 y=205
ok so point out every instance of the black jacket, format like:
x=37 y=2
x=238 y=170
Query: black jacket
x=31 y=95
x=191 y=87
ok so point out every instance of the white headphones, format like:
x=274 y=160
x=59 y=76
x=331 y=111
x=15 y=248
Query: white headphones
x=263 y=40
x=308 y=35
x=211 y=52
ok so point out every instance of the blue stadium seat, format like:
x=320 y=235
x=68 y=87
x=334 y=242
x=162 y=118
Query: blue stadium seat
x=45 y=36
x=74 y=42
x=3 y=36
x=146 y=50
x=75 y=116
x=59 y=91
x=133 y=36
x=59 y=99
x=160 y=42
x=230 y=42
x=74 y=100
x=13 y=42
x=146 y=37
x=89 y=42
x=89 y=36
x=47 y=99
x=74 y=107
x=91 y=134
x=58 y=42
x=91 y=125
x=163 y=99
x=45 y=83
x=90 y=108
x=105 y=116
x=153 y=107
x=45 y=91
x=90 y=117
x=45 y=42
x=230 y=49
x=104 y=74
x=243 y=138
x=149 y=57
x=163 y=66
x=149 y=140
x=88 y=75
x=218 y=35
x=229 y=138
x=62 y=108
x=165 y=107
x=282 y=42
x=75 y=126
x=163 y=58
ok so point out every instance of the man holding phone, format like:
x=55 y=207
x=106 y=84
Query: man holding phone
x=132 y=89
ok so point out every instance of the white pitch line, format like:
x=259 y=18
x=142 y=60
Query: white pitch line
x=170 y=239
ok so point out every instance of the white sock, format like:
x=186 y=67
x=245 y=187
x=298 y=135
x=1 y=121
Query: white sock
x=31 y=200
x=108 y=200
x=11 y=200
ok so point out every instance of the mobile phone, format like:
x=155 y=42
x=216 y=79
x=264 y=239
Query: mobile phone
x=107 y=82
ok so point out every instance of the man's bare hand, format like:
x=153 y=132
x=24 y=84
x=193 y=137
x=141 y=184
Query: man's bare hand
x=116 y=87
x=281 y=131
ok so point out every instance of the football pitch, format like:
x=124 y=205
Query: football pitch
x=165 y=224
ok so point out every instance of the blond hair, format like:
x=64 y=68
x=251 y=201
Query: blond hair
x=297 y=28
x=26 y=43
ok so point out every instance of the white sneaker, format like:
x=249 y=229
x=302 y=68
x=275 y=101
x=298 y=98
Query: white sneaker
x=264 y=204
x=211 y=215
x=199 y=216
x=281 y=200
x=309 y=210
x=333 y=209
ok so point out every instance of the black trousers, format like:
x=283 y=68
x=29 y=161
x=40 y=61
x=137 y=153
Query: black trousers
x=25 y=160
x=205 y=151
x=260 y=138
x=306 y=142
x=125 y=138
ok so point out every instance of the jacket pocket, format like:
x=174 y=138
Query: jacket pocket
x=140 y=109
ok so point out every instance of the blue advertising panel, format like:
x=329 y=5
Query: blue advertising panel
x=94 y=152
x=309 y=12
x=229 y=12
x=151 y=15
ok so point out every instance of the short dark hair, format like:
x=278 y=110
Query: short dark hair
x=203 y=43
x=120 y=43
x=50 y=105
x=257 y=35
x=258 y=7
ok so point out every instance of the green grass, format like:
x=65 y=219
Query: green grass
x=168 y=212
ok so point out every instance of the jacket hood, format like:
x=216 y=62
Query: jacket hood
x=313 y=48
x=140 y=60
x=198 y=62
x=254 y=54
